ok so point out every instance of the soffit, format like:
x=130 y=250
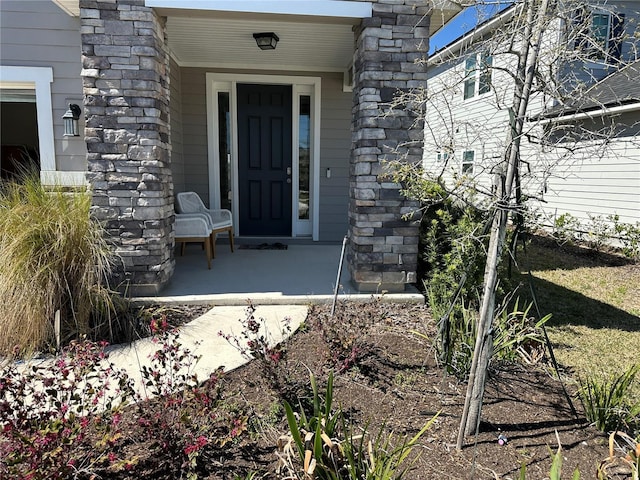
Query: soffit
x=227 y=42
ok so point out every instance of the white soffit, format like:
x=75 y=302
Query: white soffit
x=72 y=7
x=229 y=43
x=321 y=8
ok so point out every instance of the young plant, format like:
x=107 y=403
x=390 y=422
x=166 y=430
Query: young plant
x=186 y=418
x=47 y=408
x=628 y=459
x=255 y=342
x=517 y=335
x=606 y=401
x=328 y=449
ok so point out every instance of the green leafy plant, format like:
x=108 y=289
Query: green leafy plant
x=517 y=335
x=628 y=235
x=555 y=472
x=54 y=258
x=328 y=447
x=566 y=228
x=606 y=401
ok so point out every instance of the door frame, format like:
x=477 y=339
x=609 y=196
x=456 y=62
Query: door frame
x=227 y=82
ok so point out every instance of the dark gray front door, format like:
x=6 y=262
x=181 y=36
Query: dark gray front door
x=264 y=159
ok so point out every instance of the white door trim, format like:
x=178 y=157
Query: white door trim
x=217 y=82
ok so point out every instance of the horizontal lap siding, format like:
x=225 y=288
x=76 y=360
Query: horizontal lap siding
x=194 y=137
x=599 y=186
x=335 y=144
x=177 y=152
x=40 y=34
x=335 y=147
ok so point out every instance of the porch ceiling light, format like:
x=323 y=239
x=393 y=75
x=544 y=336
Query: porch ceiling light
x=70 y=118
x=266 y=40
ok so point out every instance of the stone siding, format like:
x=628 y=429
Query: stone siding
x=126 y=103
x=387 y=63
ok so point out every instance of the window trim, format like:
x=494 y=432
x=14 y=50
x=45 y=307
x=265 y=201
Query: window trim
x=585 y=42
x=464 y=162
x=40 y=79
x=477 y=70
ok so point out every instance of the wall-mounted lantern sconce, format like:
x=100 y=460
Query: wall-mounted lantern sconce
x=70 y=118
x=266 y=40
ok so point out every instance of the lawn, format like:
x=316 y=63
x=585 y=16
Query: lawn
x=595 y=302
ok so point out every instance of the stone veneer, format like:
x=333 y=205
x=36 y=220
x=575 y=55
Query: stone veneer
x=383 y=248
x=126 y=103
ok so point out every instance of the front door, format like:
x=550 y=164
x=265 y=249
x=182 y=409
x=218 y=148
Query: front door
x=264 y=159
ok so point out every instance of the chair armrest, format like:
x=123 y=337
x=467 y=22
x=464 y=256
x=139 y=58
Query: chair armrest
x=220 y=217
x=192 y=225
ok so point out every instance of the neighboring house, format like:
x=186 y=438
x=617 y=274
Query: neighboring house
x=175 y=95
x=580 y=148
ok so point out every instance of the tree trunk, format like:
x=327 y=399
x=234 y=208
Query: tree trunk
x=484 y=341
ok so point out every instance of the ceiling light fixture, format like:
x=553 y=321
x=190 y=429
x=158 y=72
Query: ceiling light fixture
x=266 y=40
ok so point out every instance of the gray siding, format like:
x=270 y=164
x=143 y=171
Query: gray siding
x=599 y=181
x=177 y=150
x=335 y=149
x=335 y=144
x=578 y=72
x=194 y=124
x=40 y=34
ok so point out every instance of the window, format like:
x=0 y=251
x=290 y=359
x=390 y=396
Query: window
x=442 y=157
x=598 y=34
x=467 y=162
x=26 y=85
x=304 y=156
x=477 y=74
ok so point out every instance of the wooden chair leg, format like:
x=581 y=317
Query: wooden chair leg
x=207 y=247
x=182 y=246
x=212 y=240
x=231 y=239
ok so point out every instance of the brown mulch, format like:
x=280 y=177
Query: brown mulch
x=387 y=377
x=396 y=383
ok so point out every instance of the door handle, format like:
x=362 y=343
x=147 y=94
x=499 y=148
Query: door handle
x=288 y=170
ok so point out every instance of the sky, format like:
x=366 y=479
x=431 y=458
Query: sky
x=464 y=22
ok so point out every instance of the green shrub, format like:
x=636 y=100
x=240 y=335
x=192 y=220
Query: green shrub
x=607 y=403
x=54 y=257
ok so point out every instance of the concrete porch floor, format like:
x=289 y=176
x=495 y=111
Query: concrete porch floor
x=301 y=274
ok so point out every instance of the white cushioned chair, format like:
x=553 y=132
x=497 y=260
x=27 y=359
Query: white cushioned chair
x=220 y=219
x=193 y=228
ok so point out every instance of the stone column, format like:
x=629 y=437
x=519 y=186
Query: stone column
x=383 y=246
x=126 y=103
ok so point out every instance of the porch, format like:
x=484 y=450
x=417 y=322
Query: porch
x=302 y=273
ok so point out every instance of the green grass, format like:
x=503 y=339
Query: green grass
x=595 y=303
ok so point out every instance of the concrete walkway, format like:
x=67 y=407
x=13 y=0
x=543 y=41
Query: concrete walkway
x=201 y=337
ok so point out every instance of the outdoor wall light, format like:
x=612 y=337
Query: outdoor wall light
x=70 y=118
x=266 y=40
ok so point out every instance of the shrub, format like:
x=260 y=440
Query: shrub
x=255 y=342
x=54 y=258
x=71 y=417
x=47 y=409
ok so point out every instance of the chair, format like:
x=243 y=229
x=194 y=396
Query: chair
x=193 y=227
x=221 y=219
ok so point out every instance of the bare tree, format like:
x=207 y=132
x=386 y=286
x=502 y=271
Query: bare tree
x=539 y=110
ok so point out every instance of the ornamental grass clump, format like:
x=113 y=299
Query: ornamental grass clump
x=54 y=258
